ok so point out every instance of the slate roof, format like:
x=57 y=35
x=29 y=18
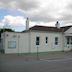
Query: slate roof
x=52 y=29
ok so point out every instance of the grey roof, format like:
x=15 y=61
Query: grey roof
x=52 y=29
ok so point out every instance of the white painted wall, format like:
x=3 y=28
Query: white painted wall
x=67 y=47
x=46 y=47
x=1 y=43
x=21 y=42
x=26 y=42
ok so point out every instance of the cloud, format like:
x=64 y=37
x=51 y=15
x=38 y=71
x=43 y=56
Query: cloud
x=1 y=24
x=18 y=23
x=50 y=11
x=13 y=4
x=67 y=14
x=28 y=4
x=69 y=6
x=41 y=11
x=22 y=4
x=13 y=22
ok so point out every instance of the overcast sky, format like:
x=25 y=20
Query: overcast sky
x=40 y=12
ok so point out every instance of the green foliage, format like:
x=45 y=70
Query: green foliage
x=3 y=30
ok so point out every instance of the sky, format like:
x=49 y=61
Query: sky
x=13 y=13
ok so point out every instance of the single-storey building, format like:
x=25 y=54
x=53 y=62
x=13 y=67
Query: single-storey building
x=38 y=38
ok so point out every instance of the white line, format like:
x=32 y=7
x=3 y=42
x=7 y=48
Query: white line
x=65 y=59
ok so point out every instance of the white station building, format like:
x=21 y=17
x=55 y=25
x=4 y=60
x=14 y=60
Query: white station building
x=38 y=38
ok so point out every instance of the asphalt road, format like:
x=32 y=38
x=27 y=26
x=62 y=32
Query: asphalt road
x=20 y=65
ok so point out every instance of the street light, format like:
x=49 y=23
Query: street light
x=37 y=44
x=37 y=53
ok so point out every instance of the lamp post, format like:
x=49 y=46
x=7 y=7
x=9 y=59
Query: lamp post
x=37 y=44
x=37 y=53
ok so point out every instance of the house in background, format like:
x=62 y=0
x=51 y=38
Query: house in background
x=38 y=38
x=1 y=38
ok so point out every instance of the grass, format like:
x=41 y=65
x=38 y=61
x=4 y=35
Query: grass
x=41 y=54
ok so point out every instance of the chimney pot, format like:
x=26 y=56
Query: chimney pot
x=27 y=23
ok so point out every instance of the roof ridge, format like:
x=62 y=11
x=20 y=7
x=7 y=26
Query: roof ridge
x=43 y=26
x=49 y=28
x=67 y=26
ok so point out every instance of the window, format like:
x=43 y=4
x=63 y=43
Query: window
x=37 y=40
x=11 y=44
x=14 y=36
x=0 y=39
x=68 y=40
x=46 y=40
x=71 y=40
x=56 y=40
x=0 y=35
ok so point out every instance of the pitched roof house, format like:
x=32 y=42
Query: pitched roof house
x=38 y=38
x=51 y=29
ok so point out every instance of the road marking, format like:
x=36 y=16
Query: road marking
x=53 y=60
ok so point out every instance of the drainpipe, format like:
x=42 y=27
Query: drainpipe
x=18 y=44
x=29 y=42
x=4 y=39
x=63 y=39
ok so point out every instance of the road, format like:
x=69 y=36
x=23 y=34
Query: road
x=20 y=65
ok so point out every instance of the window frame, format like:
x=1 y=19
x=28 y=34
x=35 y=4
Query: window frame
x=11 y=44
x=0 y=40
x=46 y=40
x=71 y=40
x=56 y=40
x=68 y=40
x=37 y=40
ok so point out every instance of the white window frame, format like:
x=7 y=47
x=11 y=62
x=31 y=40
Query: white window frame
x=11 y=44
x=46 y=40
x=56 y=40
x=37 y=41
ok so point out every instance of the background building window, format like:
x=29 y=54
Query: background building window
x=46 y=40
x=68 y=40
x=0 y=35
x=37 y=40
x=11 y=44
x=0 y=39
x=71 y=41
x=14 y=36
x=56 y=40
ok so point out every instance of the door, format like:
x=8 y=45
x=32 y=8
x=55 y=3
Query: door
x=69 y=42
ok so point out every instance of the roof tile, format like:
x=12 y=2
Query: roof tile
x=53 y=29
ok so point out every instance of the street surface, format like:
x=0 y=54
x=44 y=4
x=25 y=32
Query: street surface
x=42 y=65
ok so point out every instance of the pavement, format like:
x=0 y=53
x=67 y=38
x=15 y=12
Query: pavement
x=39 y=56
x=57 y=55
x=43 y=62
